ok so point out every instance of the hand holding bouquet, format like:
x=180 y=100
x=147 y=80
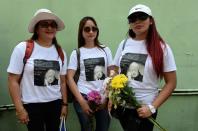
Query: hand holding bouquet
x=96 y=102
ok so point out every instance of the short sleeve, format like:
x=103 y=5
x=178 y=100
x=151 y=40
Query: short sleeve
x=109 y=56
x=118 y=54
x=64 y=68
x=169 y=61
x=73 y=61
x=16 y=59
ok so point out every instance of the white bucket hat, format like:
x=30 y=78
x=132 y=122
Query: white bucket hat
x=140 y=8
x=45 y=14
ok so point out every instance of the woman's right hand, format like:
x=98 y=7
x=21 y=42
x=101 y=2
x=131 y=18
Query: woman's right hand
x=85 y=107
x=22 y=115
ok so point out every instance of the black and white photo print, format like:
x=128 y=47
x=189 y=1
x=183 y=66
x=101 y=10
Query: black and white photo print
x=132 y=65
x=94 y=69
x=46 y=73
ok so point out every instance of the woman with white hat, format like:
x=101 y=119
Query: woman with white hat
x=39 y=105
x=145 y=47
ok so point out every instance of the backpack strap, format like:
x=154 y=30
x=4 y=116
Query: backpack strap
x=61 y=54
x=28 y=50
x=124 y=44
x=106 y=56
x=78 y=58
x=77 y=73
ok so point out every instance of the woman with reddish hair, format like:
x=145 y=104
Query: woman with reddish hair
x=153 y=60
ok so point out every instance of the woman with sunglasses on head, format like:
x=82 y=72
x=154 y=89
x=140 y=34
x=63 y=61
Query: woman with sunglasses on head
x=154 y=61
x=94 y=60
x=36 y=75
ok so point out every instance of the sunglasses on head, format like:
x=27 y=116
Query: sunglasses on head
x=46 y=24
x=88 y=29
x=137 y=16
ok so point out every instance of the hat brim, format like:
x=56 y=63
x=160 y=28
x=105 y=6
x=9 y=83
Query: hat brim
x=137 y=12
x=45 y=16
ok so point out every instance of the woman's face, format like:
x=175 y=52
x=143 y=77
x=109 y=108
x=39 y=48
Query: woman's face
x=140 y=23
x=46 y=29
x=89 y=31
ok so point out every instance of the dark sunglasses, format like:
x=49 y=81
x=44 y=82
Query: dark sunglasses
x=46 y=24
x=88 y=29
x=137 y=16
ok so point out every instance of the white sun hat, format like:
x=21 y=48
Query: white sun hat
x=140 y=8
x=45 y=14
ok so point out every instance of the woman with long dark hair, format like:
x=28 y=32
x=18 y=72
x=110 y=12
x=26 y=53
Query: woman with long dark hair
x=94 y=60
x=36 y=75
x=145 y=58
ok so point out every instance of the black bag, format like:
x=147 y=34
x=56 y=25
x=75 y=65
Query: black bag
x=70 y=96
x=118 y=112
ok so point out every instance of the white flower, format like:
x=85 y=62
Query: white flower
x=106 y=82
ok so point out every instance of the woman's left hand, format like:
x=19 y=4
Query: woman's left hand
x=144 y=111
x=64 y=111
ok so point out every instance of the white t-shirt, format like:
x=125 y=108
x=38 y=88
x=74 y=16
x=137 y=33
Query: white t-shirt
x=93 y=67
x=136 y=64
x=41 y=77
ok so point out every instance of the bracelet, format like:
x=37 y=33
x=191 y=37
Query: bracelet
x=64 y=104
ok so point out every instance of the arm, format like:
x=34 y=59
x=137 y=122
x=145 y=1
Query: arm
x=170 y=84
x=15 y=93
x=64 y=109
x=74 y=89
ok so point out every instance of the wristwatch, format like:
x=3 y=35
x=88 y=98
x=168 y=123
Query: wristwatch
x=152 y=109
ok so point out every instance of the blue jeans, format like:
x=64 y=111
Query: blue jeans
x=101 y=116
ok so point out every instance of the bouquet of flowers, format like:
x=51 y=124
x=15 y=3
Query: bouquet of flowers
x=94 y=99
x=120 y=94
x=96 y=102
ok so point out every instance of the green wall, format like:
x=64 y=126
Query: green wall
x=177 y=23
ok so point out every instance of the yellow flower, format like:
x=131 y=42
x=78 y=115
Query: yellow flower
x=119 y=81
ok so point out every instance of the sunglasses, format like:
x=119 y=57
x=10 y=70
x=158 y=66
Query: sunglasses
x=46 y=24
x=88 y=29
x=137 y=16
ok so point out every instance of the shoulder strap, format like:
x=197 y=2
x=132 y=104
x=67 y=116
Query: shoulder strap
x=28 y=50
x=124 y=44
x=61 y=54
x=78 y=58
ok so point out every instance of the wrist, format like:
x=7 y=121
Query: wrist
x=20 y=109
x=152 y=108
x=64 y=104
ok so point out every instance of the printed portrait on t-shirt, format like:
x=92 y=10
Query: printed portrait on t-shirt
x=132 y=65
x=46 y=73
x=94 y=69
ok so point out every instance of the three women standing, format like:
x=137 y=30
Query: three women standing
x=38 y=86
